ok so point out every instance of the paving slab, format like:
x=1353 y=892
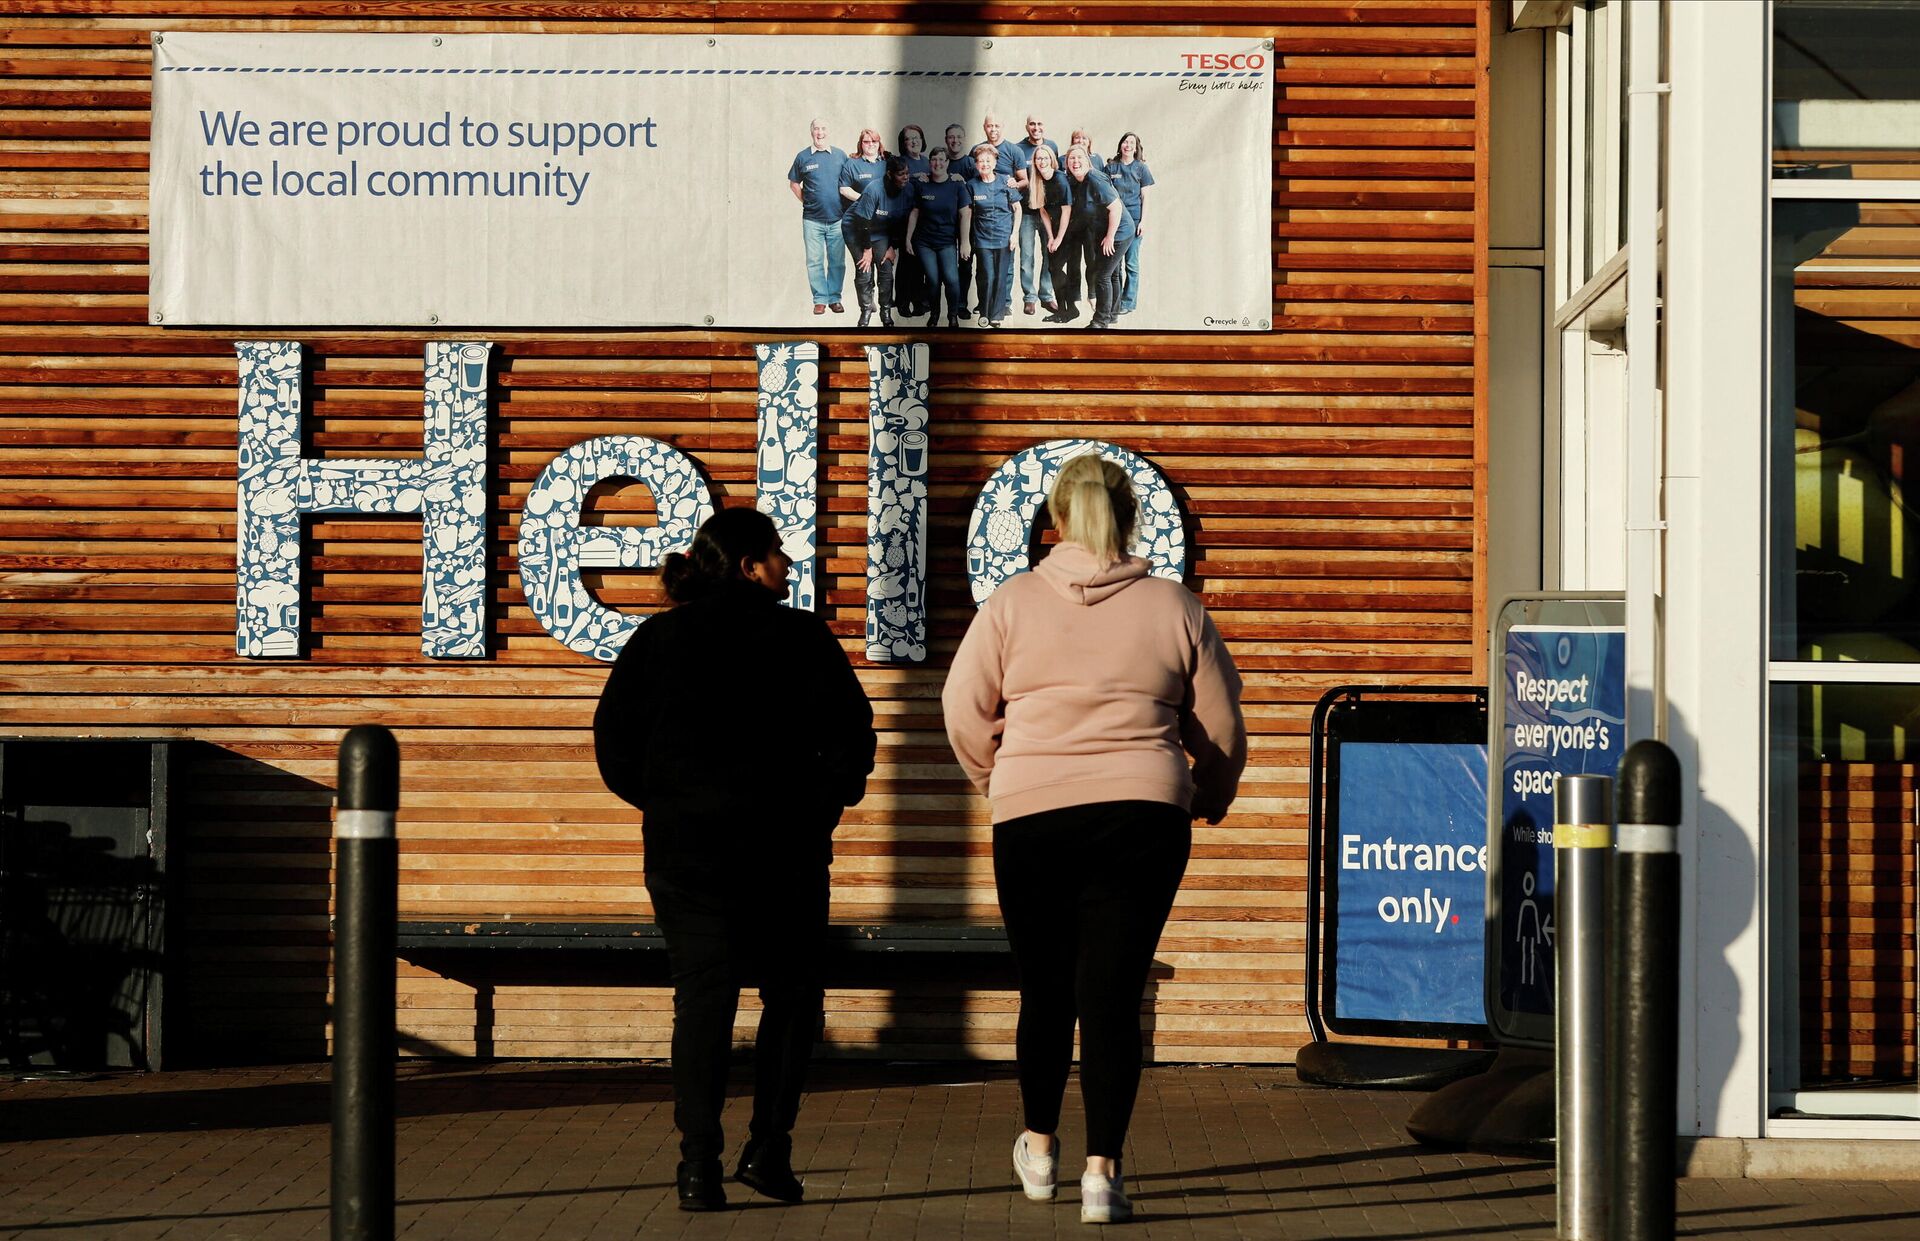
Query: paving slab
x=551 y=1151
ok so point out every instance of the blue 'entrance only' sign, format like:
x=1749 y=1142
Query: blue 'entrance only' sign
x=1411 y=859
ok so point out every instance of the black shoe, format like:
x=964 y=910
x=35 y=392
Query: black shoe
x=886 y=318
x=952 y=321
x=702 y=1185
x=766 y=1166
x=866 y=317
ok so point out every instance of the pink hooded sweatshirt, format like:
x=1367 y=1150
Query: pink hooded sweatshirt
x=1082 y=683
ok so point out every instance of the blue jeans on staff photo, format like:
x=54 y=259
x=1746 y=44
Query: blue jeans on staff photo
x=1033 y=254
x=943 y=275
x=993 y=274
x=1130 y=295
x=826 y=260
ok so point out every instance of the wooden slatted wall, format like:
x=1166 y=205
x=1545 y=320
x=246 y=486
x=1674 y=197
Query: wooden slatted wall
x=1856 y=941
x=1334 y=470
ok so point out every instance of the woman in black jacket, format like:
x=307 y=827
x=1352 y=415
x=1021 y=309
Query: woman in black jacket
x=738 y=729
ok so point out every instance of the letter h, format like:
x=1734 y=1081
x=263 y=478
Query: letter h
x=447 y=486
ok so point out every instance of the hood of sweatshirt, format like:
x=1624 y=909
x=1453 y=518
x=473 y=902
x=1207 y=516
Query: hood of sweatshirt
x=1078 y=577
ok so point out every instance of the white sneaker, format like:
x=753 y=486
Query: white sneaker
x=1102 y=1201
x=1036 y=1172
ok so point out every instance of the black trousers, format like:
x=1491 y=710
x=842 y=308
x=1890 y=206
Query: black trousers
x=1106 y=279
x=1063 y=265
x=1066 y=263
x=858 y=239
x=910 y=284
x=1085 y=891
x=730 y=920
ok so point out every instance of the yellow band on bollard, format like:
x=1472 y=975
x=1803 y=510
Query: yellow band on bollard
x=1582 y=835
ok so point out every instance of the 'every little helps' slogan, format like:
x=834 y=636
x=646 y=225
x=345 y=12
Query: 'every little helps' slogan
x=649 y=180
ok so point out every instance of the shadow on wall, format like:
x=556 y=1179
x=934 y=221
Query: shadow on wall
x=83 y=902
x=1724 y=927
x=77 y=961
x=253 y=876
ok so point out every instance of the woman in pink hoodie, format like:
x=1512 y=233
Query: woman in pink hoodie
x=1074 y=703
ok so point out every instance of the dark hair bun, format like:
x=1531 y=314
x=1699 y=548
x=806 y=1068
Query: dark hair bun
x=674 y=572
x=722 y=542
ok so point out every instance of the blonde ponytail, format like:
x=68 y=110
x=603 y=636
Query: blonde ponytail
x=1093 y=504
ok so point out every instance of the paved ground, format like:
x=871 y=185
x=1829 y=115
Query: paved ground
x=561 y=1151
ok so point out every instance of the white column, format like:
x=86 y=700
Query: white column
x=1716 y=574
x=1644 y=449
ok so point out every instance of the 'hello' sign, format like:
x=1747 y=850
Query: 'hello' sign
x=447 y=486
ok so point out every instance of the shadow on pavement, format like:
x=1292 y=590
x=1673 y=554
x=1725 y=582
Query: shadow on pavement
x=264 y=1212
x=423 y=1089
x=274 y=1105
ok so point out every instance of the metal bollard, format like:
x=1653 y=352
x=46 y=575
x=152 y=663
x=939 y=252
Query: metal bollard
x=1643 y=996
x=366 y=893
x=1582 y=832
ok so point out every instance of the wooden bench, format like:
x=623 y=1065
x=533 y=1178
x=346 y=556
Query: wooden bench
x=501 y=932
x=488 y=951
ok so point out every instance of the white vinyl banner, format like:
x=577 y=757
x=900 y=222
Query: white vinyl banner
x=694 y=180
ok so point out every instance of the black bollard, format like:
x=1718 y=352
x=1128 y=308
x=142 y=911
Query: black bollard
x=1582 y=834
x=366 y=893
x=1643 y=996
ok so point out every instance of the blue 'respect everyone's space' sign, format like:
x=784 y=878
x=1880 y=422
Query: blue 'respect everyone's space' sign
x=1412 y=854
x=1563 y=713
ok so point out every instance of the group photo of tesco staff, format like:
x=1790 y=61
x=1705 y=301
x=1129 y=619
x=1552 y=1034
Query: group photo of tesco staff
x=1093 y=704
x=936 y=231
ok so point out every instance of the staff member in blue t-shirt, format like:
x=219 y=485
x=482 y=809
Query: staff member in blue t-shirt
x=910 y=285
x=875 y=227
x=913 y=149
x=1009 y=160
x=814 y=179
x=863 y=167
x=996 y=223
x=959 y=155
x=942 y=213
x=1050 y=202
x=1035 y=290
x=1130 y=175
x=960 y=168
x=1098 y=209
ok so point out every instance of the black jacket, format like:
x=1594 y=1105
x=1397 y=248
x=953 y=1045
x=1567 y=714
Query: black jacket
x=735 y=708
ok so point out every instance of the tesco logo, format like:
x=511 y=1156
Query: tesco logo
x=1211 y=60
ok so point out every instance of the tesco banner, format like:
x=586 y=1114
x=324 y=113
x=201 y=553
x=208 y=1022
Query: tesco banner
x=710 y=180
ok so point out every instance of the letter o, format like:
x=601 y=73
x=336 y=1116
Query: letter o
x=1001 y=527
x=1389 y=909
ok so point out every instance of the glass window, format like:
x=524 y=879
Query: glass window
x=1847 y=810
x=1846 y=96
x=1846 y=440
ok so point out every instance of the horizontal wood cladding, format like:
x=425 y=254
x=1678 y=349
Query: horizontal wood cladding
x=1857 y=871
x=1328 y=471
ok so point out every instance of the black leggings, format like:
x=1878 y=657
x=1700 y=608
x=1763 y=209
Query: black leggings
x=1086 y=891
x=728 y=924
